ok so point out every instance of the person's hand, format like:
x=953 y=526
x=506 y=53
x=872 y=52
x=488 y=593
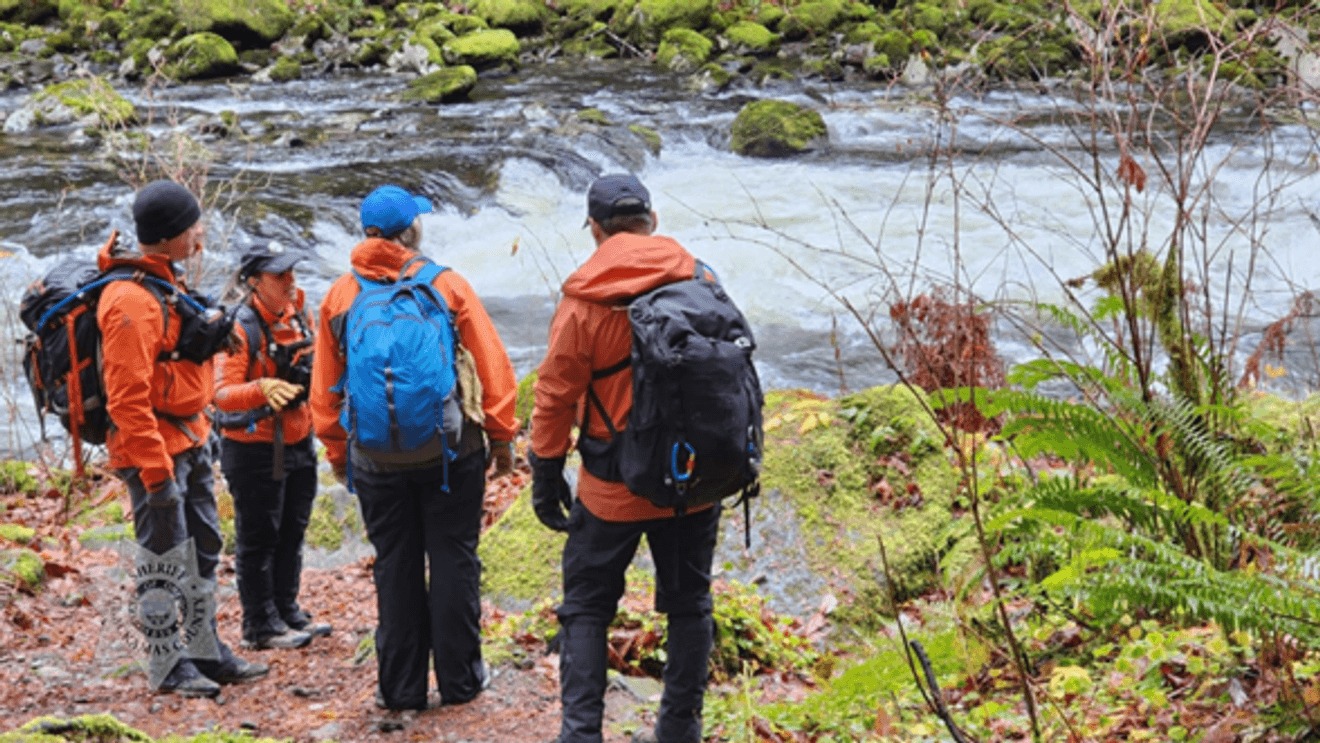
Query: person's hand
x=165 y=495
x=501 y=455
x=278 y=392
x=551 y=497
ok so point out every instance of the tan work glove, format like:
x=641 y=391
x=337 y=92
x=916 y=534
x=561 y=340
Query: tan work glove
x=278 y=392
x=501 y=455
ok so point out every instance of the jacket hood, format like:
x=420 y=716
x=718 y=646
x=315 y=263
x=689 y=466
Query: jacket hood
x=379 y=259
x=116 y=253
x=627 y=265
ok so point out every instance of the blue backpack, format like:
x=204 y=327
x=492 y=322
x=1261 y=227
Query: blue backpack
x=399 y=343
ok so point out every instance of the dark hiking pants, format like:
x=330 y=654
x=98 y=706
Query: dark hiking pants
x=270 y=523
x=411 y=523
x=161 y=528
x=596 y=556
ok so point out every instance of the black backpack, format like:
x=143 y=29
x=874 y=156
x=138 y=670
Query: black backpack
x=62 y=353
x=694 y=431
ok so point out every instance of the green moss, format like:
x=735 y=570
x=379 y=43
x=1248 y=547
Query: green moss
x=17 y=533
x=893 y=44
x=285 y=69
x=659 y=16
x=91 y=96
x=22 y=566
x=246 y=23
x=597 y=9
x=15 y=476
x=526 y=399
x=325 y=530
x=31 y=12
x=593 y=116
x=520 y=16
x=749 y=37
x=520 y=558
x=812 y=18
x=442 y=86
x=772 y=128
x=683 y=50
x=87 y=727
x=102 y=537
x=929 y=17
x=201 y=55
x=648 y=135
x=483 y=49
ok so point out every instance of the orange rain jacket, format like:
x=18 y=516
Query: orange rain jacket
x=157 y=407
x=236 y=388
x=379 y=259
x=591 y=331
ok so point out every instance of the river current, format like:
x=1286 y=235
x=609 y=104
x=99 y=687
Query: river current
x=859 y=219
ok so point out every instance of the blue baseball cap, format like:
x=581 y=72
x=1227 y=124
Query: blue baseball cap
x=392 y=209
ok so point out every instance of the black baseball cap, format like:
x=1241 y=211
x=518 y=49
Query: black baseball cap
x=615 y=194
x=267 y=257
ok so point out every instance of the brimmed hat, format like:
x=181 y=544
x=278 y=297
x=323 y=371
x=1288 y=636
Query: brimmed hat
x=392 y=209
x=162 y=210
x=269 y=257
x=615 y=194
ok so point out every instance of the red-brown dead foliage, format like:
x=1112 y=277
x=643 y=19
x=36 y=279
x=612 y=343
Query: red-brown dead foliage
x=944 y=345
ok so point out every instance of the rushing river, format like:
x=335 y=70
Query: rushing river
x=509 y=170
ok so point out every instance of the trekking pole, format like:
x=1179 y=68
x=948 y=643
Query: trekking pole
x=936 y=696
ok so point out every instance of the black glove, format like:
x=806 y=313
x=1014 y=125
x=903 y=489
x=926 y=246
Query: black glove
x=166 y=495
x=551 y=497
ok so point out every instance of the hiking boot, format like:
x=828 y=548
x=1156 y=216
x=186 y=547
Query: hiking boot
x=232 y=670
x=286 y=640
x=484 y=685
x=428 y=704
x=302 y=621
x=186 y=681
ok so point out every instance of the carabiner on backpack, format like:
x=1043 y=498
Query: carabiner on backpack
x=689 y=467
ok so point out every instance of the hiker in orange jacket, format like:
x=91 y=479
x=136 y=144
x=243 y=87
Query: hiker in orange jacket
x=590 y=333
x=423 y=505
x=156 y=399
x=267 y=453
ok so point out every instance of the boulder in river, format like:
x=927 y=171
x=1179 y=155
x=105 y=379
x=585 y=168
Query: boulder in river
x=201 y=55
x=483 y=49
x=442 y=86
x=773 y=128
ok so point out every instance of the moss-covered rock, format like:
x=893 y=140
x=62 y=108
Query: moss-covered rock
x=16 y=477
x=812 y=18
x=648 y=135
x=483 y=49
x=84 y=728
x=749 y=37
x=593 y=116
x=22 y=567
x=201 y=55
x=31 y=12
x=658 y=16
x=248 y=23
x=523 y=17
x=152 y=24
x=683 y=50
x=285 y=69
x=442 y=86
x=17 y=533
x=773 y=128
x=84 y=97
x=520 y=558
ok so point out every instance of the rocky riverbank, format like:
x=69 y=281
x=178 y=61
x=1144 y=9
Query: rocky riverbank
x=72 y=54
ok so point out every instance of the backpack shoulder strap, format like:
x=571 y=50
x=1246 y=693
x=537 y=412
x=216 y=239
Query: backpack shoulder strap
x=158 y=288
x=254 y=327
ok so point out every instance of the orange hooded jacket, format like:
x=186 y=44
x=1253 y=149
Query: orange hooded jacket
x=156 y=406
x=236 y=388
x=591 y=331
x=379 y=259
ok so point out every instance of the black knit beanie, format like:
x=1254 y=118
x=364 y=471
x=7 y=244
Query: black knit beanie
x=163 y=209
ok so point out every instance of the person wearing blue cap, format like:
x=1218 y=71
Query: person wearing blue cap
x=414 y=444
x=606 y=521
x=267 y=451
